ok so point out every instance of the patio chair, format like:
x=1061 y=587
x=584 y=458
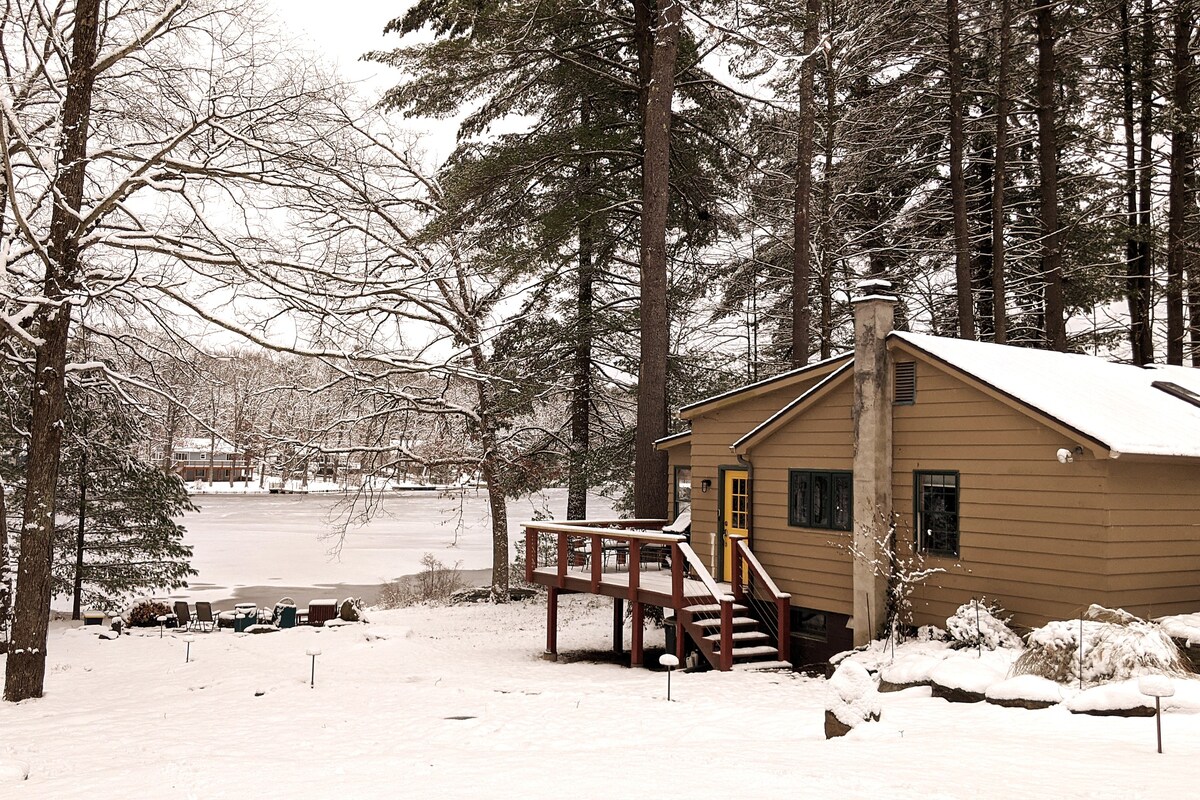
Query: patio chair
x=284 y=615
x=204 y=617
x=182 y=616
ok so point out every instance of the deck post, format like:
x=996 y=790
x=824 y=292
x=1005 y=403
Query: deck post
x=562 y=561
x=597 y=562
x=635 y=637
x=676 y=577
x=726 y=634
x=531 y=548
x=783 y=612
x=618 y=625
x=635 y=569
x=736 y=570
x=551 y=624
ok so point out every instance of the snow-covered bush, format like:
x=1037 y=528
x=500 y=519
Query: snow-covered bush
x=980 y=623
x=1116 y=646
x=145 y=613
x=853 y=699
x=434 y=584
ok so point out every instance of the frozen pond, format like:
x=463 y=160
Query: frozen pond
x=261 y=547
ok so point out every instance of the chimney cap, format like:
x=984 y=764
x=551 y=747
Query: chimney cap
x=873 y=289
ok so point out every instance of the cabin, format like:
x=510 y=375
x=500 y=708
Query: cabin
x=1041 y=481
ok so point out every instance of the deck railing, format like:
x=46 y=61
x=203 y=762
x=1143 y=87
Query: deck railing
x=753 y=585
x=598 y=547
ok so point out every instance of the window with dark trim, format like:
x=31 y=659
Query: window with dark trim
x=819 y=499
x=683 y=489
x=809 y=623
x=935 y=500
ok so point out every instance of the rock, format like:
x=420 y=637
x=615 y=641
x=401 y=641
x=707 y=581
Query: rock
x=1020 y=702
x=888 y=686
x=956 y=695
x=835 y=727
x=1135 y=711
x=110 y=636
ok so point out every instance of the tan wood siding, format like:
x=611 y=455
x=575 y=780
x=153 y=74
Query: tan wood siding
x=1155 y=564
x=712 y=434
x=813 y=565
x=1033 y=533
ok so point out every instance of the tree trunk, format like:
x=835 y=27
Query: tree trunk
x=1047 y=77
x=1137 y=278
x=825 y=230
x=999 y=291
x=5 y=574
x=802 y=248
x=26 y=668
x=958 y=183
x=581 y=394
x=650 y=465
x=1182 y=142
x=80 y=537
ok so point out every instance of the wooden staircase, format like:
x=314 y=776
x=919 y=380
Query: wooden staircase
x=750 y=644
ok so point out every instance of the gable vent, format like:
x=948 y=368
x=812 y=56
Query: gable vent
x=904 y=390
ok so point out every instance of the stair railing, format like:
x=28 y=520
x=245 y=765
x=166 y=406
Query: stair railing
x=713 y=594
x=774 y=606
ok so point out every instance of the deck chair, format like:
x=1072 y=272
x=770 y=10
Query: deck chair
x=284 y=615
x=204 y=617
x=182 y=617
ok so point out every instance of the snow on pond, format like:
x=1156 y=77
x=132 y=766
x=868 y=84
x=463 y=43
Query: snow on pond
x=284 y=540
x=457 y=703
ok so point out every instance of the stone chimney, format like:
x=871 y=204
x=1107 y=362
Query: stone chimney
x=873 y=318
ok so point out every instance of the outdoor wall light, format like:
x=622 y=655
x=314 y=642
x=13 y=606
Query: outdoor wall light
x=704 y=486
x=1066 y=456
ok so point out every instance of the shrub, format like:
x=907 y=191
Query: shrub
x=145 y=613
x=1116 y=646
x=981 y=624
x=434 y=584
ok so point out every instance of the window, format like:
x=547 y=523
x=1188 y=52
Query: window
x=809 y=623
x=820 y=499
x=935 y=496
x=683 y=490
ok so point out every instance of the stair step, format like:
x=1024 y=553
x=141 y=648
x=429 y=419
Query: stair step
x=715 y=622
x=712 y=608
x=755 y=652
x=739 y=637
x=762 y=666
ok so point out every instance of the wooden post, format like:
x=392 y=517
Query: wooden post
x=597 y=563
x=783 y=615
x=676 y=577
x=531 y=543
x=635 y=637
x=562 y=560
x=552 y=624
x=618 y=625
x=635 y=568
x=726 y=634
x=736 y=569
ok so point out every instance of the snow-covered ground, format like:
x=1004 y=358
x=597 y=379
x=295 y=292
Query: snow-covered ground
x=456 y=703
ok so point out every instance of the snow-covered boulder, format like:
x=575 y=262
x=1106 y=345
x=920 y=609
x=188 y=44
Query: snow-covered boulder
x=853 y=699
x=965 y=678
x=1025 y=691
x=909 y=670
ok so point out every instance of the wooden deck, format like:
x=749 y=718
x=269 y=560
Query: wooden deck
x=634 y=561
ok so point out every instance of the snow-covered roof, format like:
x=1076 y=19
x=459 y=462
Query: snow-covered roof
x=1117 y=405
x=201 y=445
x=766 y=384
x=673 y=439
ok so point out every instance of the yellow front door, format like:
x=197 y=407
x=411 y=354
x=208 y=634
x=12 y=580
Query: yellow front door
x=736 y=500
